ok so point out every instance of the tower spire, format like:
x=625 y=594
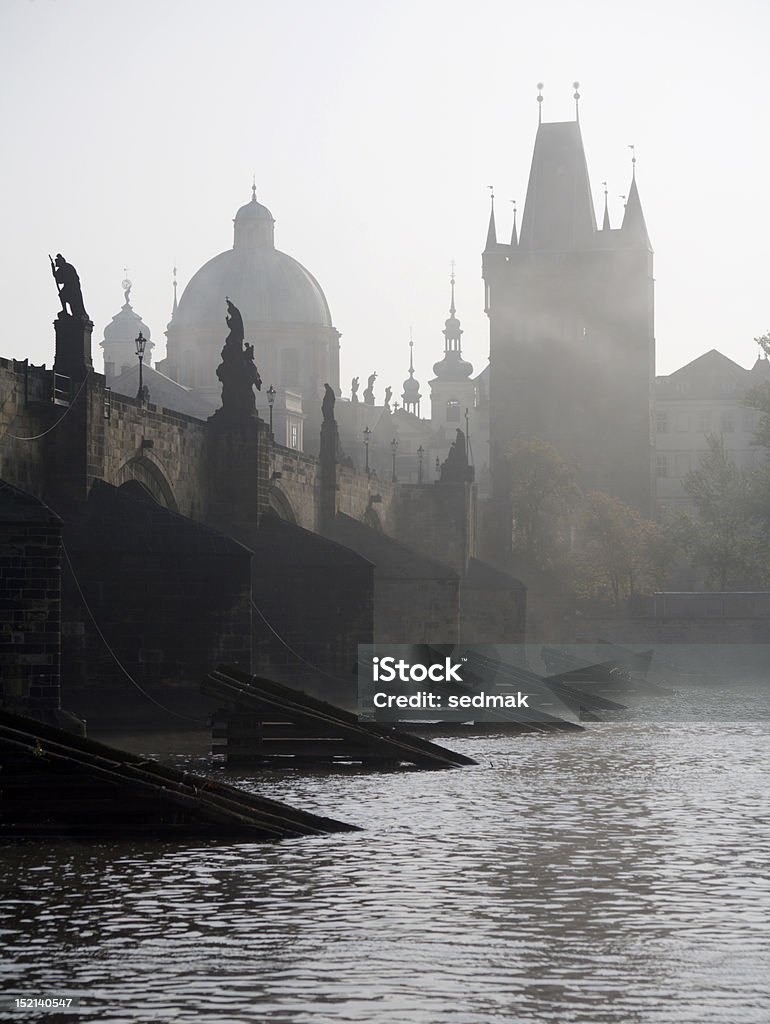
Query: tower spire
x=606 y=221
x=452 y=287
x=411 y=394
x=514 y=231
x=633 y=162
x=576 y=97
x=173 y=308
x=539 y=103
x=491 y=230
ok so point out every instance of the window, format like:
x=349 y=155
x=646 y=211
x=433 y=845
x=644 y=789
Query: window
x=728 y=422
x=661 y=423
x=683 y=422
x=453 y=411
x=661 y=465
x=294 y=435
x=704 y=421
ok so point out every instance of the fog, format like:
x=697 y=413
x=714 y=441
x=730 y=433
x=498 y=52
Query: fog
x=132 y=132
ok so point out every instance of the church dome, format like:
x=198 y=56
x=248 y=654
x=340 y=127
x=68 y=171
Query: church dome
x=266 y=285
x=120 y=336
x=453 y=367
x=126 y=324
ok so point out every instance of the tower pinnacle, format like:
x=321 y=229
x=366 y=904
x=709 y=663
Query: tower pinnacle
x=491 y=230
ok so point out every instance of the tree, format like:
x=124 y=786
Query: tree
x=543 y=493
x=620 y=552
x=722 y=538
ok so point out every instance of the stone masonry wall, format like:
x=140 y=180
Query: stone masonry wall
x=30 y=616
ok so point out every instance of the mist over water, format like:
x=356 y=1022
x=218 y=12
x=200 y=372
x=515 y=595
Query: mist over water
x=614 y=876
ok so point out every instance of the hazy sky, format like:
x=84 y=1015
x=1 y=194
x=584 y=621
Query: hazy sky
x=131 y=132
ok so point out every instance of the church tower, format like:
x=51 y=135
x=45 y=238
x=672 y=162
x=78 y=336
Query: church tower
x=451 y=390
x=570 y=307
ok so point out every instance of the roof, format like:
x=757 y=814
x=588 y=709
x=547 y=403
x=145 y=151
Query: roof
x=17 y=506
x=266 y=285
x=279 y=543
x=559 y=210
x=711 y=375
x=483 y=576
x=117 y=521
x=164 y=392
x=391 y=559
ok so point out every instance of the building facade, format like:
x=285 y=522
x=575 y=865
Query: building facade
x=705 y=397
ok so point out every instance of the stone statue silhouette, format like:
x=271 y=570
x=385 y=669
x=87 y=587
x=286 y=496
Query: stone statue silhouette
x=237 y=371
x=388 y=394
x=354 y=390
x=68 y=283
x=369 y=392
x=327 y=406
x=456 y=468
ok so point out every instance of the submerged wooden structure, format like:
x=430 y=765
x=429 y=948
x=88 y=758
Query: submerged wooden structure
x=265 y=723
x=57 y=785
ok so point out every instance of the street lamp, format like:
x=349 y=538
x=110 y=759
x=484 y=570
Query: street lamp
x=140 y=343
x=270 y=400
x=367 y=435
x=394 y=449
x=420 y=454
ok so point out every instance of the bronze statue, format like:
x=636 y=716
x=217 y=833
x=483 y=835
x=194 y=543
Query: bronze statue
x=369 y=392
x=354 y=390
x=327 y=406
x=237 y=371
x=68 y=283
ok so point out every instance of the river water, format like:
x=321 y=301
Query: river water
x=610 y=877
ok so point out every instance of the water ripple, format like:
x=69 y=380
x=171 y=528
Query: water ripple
x=615 y=877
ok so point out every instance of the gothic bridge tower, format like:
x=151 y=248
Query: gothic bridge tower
x=570 y=307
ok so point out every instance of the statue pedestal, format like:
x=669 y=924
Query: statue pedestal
x=73 y=346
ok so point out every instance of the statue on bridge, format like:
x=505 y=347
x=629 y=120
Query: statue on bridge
x=354 y=390
x=455 y=468
x=369 y=392
x=327 y=406
x=237 y=371
x=68 y=284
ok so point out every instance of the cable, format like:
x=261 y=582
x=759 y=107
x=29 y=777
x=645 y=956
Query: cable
x=36 y=437
x=291 y=649
x=126 y=673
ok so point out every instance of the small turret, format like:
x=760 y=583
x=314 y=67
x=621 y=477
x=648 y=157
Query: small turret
x=411 y=395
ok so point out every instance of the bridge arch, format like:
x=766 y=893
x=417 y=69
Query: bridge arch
x=142 y=471
x=372 y=520
x=279 y=505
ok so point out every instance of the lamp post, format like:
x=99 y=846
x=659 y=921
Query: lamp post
x=140 y=343
x=394 y=449
x=420 y=454
x=270 y=401
x=367 y=435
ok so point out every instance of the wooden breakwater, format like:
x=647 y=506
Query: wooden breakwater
x=57 y=785
x=265 y=723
